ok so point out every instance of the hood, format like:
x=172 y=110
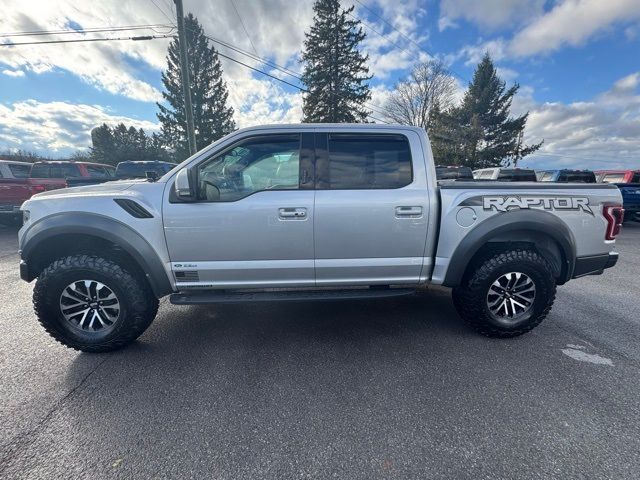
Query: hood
x=100 y=188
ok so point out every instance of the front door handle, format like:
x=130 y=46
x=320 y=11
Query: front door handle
x=292 y=213
x=408 y=211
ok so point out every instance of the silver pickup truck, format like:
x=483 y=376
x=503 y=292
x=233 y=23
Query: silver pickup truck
x=308 y=212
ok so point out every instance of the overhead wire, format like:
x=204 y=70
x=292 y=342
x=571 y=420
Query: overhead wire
x=36 y=33
x=80 y=40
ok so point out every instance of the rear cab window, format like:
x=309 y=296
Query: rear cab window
x=365 y=161
x=577 y=177
x=613 y=178
x=517 y=175
x=96 y=171
x=19 y=171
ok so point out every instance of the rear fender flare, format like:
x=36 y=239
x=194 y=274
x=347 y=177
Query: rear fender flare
x=513 y=224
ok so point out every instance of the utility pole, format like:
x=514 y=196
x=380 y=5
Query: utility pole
x=186 y=83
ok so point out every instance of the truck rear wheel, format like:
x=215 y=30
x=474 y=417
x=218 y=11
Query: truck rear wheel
x=92 y=304
x=507 y=294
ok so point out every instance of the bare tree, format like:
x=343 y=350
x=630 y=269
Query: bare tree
x=430 y=88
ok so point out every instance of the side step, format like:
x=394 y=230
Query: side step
x=209 y=297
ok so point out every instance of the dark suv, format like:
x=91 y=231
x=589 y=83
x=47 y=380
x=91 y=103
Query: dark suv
x=139 y=169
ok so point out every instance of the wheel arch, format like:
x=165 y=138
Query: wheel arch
x=545 y=231
x=69 y=233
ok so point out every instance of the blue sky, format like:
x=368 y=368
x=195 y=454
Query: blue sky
x=576 y=60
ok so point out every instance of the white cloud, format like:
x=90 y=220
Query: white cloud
x=601 y=133
x=261 y=101
x=13 y=73
x=497 y=48
x=276 y=28
x=572 y=22
x=489 y=14
x=55 y=127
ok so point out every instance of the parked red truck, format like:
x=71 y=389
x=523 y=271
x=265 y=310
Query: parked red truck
x=16 y=187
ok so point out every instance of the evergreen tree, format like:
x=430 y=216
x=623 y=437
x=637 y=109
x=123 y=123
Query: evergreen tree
x=335 y=71
x=212 y=118
x=120 y=144
x=480 y=132
x=102 y=144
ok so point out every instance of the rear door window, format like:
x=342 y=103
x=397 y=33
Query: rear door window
x=365 y=161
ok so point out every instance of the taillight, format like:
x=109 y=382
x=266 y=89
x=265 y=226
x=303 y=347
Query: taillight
x=614 y=215
x=37 y=189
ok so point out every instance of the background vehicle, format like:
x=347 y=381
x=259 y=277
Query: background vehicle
x=618 y=176
x=453 y=172
x=139 y=169
x=72 y=173
x=505 y=174
x=630 y=200
x=11 y=169
x=312 y=211
x=15 y=188
x=566 y=176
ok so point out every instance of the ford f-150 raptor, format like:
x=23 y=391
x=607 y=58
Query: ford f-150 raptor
x=308 y=212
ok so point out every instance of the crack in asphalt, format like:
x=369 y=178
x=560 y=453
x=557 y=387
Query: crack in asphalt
x=26 y=438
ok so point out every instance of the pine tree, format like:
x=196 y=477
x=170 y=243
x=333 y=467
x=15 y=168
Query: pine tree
x=120 y=144
x=335 y=71
x=213 y=119
x=480 y=132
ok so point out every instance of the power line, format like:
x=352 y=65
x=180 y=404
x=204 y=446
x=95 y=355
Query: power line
x=409 y=39
x=280 y=68
x=36 y=33
x=233 y=4
x=78 y=40
x=162 y=11
x=302 y=89
x=382 y=35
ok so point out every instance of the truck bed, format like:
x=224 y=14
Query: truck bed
x=484 y=209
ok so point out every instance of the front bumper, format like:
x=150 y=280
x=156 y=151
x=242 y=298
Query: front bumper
x=594 y=264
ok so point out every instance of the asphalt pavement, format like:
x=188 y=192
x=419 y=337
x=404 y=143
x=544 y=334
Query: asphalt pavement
x=390 y=388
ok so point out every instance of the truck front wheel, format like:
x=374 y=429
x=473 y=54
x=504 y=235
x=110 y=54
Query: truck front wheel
x=507 y=294
x=92 y=304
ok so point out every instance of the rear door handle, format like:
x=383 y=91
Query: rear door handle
x=292 y=213
x=408 y=211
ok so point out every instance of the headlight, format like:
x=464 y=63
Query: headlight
x=26 y=214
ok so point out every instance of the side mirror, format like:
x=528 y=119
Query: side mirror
x=183 y=186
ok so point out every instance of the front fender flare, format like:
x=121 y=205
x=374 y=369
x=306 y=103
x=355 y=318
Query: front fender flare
x=102 y=227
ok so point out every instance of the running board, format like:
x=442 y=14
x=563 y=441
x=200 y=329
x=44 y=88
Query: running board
x=210 y=297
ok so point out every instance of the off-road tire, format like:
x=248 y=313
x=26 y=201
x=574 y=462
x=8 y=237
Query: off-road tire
x=138 y=304
x=470 y=297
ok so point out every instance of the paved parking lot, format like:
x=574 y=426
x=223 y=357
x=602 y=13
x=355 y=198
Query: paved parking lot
x=395 y=388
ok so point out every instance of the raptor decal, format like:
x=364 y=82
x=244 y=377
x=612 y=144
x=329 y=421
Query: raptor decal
x=504 y=203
